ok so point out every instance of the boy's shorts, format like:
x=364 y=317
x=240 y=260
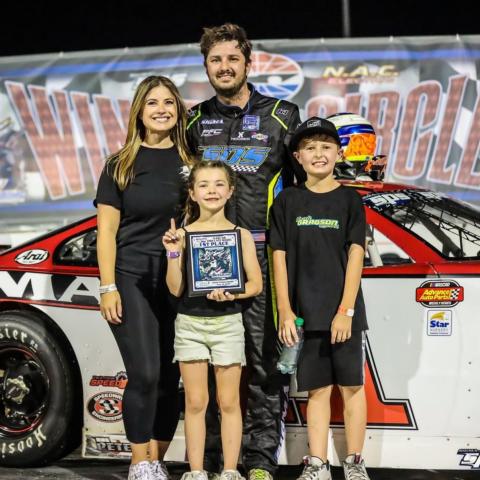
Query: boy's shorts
x=220 y=340
x=322 y=364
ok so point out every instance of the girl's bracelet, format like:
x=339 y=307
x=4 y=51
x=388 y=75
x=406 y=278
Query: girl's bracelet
x=107 y=288
x=173 y=254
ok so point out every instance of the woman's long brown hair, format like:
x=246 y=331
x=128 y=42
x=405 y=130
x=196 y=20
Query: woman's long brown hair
x=122 y=162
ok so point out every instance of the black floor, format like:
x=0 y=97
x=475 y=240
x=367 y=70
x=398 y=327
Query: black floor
x=76 y=468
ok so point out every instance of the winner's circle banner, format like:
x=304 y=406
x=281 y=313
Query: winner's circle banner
x=61 y=115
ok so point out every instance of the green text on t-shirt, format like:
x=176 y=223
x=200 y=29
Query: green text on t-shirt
x=309 y=221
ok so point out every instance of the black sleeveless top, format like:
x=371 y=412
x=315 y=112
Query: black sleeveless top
x=201 y=306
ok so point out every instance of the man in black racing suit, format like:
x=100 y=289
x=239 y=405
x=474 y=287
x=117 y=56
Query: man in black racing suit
x=250 y=132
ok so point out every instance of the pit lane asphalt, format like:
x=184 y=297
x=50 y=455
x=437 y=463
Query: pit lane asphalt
x=74 y=467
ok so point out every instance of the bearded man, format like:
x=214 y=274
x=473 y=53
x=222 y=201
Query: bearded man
x=250 y=132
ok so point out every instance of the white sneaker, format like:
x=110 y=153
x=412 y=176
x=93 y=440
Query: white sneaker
x=195 y=475
x=354 y=468
x=159 y=470
x=315 y=469
x=231 y=475
x=140 y=471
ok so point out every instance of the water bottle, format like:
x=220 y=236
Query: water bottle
x=287 y=363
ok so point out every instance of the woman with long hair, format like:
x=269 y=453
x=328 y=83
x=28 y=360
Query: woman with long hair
x=139 y=191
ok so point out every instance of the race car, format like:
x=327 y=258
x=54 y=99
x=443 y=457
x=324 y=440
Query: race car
x=62 y=377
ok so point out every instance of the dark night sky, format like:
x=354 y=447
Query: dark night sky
x=43 y=27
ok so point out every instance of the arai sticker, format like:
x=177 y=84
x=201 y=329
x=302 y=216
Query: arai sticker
x=31 y=257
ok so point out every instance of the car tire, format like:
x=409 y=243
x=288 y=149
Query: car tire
x=39 y=394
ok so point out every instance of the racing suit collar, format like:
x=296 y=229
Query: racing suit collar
x=233 y=110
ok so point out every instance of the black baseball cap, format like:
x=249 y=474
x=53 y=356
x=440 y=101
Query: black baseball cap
x=312 y=126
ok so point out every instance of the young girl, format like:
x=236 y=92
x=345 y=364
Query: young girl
x=209 y=329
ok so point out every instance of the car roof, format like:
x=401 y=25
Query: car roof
x=365 y=187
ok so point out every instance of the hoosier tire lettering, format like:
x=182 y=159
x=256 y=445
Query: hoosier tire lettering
x=8 y=333
x=34 y=440
x=38 y=423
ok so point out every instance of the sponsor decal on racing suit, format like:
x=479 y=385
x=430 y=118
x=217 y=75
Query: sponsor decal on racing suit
x=240 y=158
x=211 y=132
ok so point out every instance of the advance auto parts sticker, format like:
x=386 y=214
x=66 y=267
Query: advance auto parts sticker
x=439 y=293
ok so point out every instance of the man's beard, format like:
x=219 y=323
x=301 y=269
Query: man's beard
x=230 y=92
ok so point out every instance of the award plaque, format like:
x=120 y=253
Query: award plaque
x=214 y=260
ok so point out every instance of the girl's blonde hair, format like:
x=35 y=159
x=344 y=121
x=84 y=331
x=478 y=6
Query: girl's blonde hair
x=122 y=162
x=192 y=210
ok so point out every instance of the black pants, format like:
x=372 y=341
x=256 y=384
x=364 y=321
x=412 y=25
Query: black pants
x=145 y=339
x=266 y=397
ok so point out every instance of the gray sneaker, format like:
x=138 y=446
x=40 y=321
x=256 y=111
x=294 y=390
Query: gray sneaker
x=354 y=468
x=140 y=471
x=159 y=470
x=231 y=475
x=315 y=469
x=195 y=475
x=259 y=474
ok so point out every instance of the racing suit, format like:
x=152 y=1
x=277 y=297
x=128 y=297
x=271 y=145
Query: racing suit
x=253 y=141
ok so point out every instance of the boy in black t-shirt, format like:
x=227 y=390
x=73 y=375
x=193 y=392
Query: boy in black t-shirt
x=317 y=232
